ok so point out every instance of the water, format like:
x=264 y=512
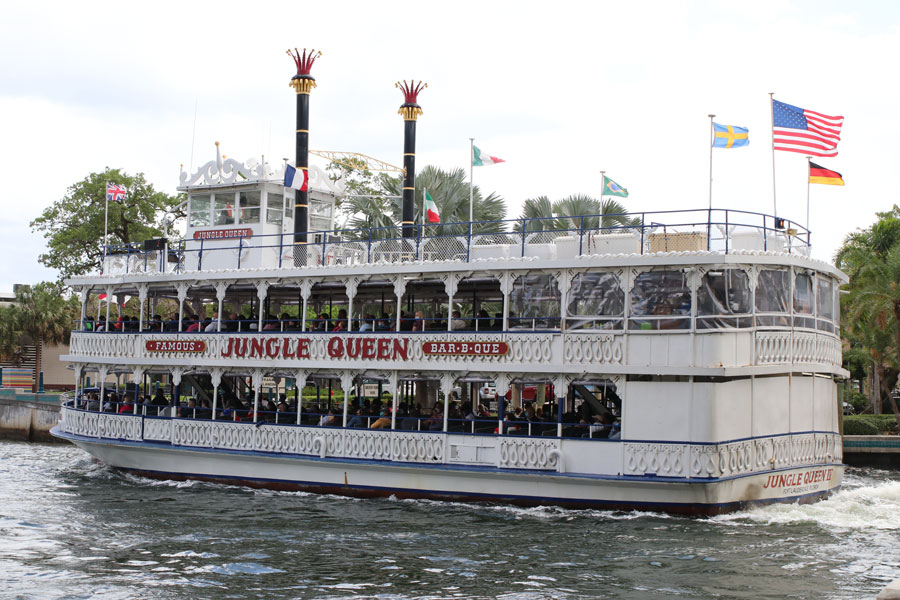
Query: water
x=71 y=528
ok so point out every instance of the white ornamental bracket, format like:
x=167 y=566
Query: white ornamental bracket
x=501 y=383
x=83 y=295
x=306 y=287
x=347 y=378
x=142 y=293
x=399 y=288
x=257 y=379
x=182 y=290
x=215 y=376
x=177 y=372
x=221 y=289
x=262 y=288
x=300 y=376
x=447 y=381
x=138 y=372
x=561 y=385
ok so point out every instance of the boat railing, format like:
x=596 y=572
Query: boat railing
x=333 y=419
x=557 y=238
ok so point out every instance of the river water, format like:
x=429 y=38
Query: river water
x=72 y=528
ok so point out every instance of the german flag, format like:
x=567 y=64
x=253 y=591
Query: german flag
x=819 y=174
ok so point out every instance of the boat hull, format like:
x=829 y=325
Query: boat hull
x=374 y=478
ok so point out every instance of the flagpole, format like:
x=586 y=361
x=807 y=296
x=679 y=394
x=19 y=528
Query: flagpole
x=471 y=171
x=602 y=184
x=711 y=139
x=772 y=113
x=808 y=169
x=105 y=221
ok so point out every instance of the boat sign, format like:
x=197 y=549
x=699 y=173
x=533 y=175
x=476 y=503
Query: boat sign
x=175 y=345
x=465 y=348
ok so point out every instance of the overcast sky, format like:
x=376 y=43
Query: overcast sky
x=559 y=90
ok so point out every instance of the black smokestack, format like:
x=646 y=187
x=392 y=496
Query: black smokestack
x=410 y=111
x=302 y=83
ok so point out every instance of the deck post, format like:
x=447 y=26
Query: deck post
x=215 y=376
x=347 y=386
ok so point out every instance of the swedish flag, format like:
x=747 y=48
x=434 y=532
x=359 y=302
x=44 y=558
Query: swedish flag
x=730 y=136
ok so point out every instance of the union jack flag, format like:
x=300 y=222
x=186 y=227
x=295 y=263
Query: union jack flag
x=115 y=192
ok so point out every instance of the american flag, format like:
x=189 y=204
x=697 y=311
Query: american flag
x=805 y=131
x=115 y=192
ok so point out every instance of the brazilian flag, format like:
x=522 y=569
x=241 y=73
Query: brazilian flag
x=611 y=188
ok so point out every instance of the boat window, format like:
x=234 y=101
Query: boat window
x=596 y=301
x=250 y=202
x=200 y=207
x=480 y=304
x=274 y=208
x=772 y=292
x=723 y=300
x=825 y=303
x=803 y=300
x=224 y=208
x=837 y=308
x=660 y=300
x=534 y=302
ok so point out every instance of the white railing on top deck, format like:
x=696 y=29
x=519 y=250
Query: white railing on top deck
x=715 y=230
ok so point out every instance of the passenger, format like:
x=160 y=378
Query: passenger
x=213 y=325
x=383 y=421
x=497 y=325
x=189 y=411
x=384 y=323
x=357 y=419
x=456 y=322
x=112 y=403
x=328 y=420
x=93 y=403
x=340 y=323
x=101 y=323
x=419 y=322
x=159 y=399
x=483 y=322
x=272 y=324
x=127 y=406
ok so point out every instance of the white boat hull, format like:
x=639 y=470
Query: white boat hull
x=375 y=478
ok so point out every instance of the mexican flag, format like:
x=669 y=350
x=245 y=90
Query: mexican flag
x=431 y=210
x=480 y=159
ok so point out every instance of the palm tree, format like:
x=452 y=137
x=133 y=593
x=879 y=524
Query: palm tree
x=576 y=212
x=450 y=192
x=45 y=316
x=872 y=260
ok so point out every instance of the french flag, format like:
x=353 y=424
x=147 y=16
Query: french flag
x=293 y=178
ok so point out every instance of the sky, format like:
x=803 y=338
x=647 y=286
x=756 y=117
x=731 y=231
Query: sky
x=559 y=90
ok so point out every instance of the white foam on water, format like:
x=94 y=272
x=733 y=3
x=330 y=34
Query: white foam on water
x=867 y=507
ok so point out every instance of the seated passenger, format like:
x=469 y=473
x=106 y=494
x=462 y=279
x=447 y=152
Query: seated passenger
x=456 y=321
x=328 y=420
x=127 y=406
x=383 y=421
x=357 y=419
x=158 y=400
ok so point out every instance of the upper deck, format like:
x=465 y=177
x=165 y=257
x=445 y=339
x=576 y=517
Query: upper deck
x=238 y=246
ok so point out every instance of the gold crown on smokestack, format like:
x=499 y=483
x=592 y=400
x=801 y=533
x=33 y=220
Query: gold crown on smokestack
x=410 y=109
x=303 y=82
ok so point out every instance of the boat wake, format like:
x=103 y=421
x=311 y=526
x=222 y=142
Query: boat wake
x=867 y=507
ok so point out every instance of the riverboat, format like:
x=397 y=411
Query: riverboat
x=682 y=361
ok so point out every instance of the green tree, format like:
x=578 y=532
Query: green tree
x=577 y=211
x=450 y=191
x=73 y=225
x=42 y=314
x=871 y=258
